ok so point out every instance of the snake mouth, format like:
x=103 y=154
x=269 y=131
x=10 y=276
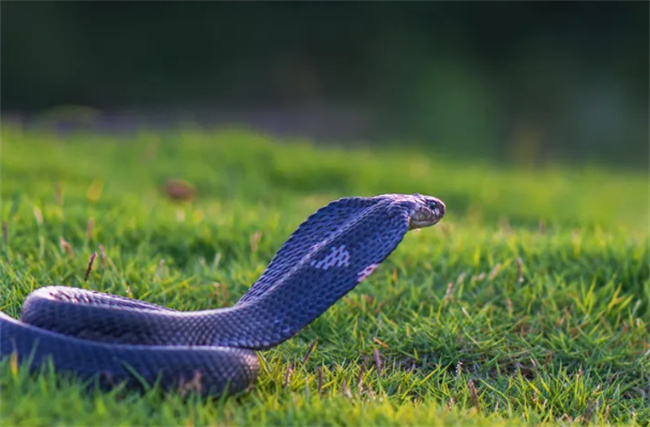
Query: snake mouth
x=417 y=223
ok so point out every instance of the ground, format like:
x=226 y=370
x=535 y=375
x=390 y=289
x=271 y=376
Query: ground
x=527 y=305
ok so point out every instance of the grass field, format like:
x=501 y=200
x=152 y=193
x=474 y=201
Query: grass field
x=528 y=304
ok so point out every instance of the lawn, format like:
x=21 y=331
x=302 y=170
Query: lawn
x=528 y=304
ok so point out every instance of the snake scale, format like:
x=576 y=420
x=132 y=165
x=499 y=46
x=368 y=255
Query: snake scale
x=115 y=339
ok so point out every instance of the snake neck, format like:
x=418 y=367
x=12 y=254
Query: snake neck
x=313 y=279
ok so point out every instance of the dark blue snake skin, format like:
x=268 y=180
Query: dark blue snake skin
x=116 y=339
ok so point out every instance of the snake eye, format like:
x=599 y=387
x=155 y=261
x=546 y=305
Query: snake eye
x=437 y=207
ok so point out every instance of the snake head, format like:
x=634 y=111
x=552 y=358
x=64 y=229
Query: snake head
x=427 y=212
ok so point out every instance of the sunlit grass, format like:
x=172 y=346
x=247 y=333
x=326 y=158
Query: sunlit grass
x=528 y=304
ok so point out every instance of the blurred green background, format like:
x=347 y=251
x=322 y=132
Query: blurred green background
x=523 y=82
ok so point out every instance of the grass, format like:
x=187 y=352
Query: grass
x=528 y=305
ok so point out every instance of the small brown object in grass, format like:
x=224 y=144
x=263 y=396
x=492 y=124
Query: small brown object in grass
x=65 y=247
x=472 y=389
x=180 y=190
x=309 y=350
x=90 y=265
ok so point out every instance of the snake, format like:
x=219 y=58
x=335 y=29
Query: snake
x=118 y=340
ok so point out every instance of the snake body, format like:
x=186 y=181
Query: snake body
x=116 y=339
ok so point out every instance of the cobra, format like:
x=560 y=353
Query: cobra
x=120 y=340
